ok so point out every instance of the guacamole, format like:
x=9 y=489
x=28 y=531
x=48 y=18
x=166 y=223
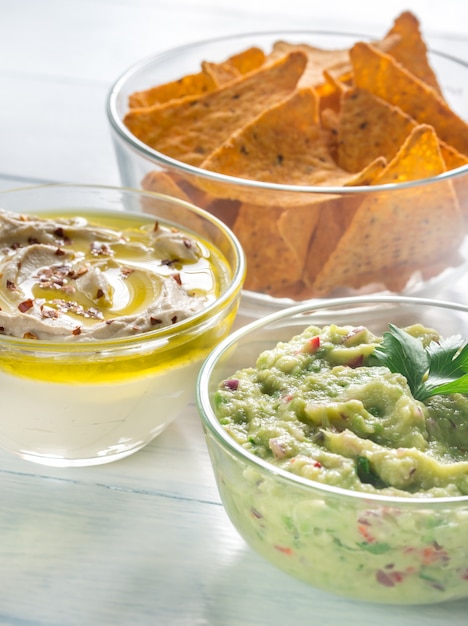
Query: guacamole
x=321 y=407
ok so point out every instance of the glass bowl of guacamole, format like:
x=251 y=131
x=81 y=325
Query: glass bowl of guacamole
x=338 y=435
x=109 y=300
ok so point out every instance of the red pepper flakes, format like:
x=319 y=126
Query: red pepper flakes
x=76 y=331
x=49 y=313
x=155 y=320
x=99 y=294
x=75 y=274
x=317 y=464
x=30 y=335
x=177 y=278
x=26 y=305
x=59 y=252
x=284 y=549
x=156 y=226
x=11 y=285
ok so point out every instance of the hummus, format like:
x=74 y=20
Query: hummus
x=314 y=407
x=84 y=379
x=69 y=279
x=317 y=408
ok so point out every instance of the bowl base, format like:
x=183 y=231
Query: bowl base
x=109 y=455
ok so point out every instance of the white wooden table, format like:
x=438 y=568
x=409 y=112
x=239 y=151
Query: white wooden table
x=145 y=540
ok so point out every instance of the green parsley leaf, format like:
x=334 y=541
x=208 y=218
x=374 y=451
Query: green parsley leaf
x=440 y=368
x=448 y=370
x=403 y=354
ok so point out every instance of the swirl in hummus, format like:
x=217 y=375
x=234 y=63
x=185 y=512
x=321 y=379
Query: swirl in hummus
x=67 y=279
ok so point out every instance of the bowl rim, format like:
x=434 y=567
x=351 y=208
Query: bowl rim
x=212 y=426
x=150 y=154
x=186 y=326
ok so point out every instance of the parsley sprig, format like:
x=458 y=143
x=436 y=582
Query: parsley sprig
x=439 y=368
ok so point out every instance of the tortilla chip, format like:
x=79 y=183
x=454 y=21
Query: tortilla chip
x=192 y=84
x=329 y=93
x=382 y=75
x=238 y=64
x=369 y=127
x=335 y=62
x=213 y=75
x=318 y=60
x=368 y=174
x=329 y=97
x=221 y=73
x=269 y=148
x=161 y=182
x=176 y=185
x=327 y=69
x=329 y=119
x=410 y=50
x=283 y=145
x=296 y=227
x=191 y=128
x=272 y=265
x=224 y=209
x=247 y=60
x=453 y=160
x=334 y=218
x=393 y=233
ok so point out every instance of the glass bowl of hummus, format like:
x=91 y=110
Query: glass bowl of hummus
x=109 y=300
x=333 y=464
x=307 y=145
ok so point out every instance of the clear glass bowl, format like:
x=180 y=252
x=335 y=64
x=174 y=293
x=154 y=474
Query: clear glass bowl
x=279 y=268
x=400 y=550
x=86 y=403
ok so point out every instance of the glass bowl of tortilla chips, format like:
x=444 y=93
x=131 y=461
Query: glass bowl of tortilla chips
x=339 y=161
